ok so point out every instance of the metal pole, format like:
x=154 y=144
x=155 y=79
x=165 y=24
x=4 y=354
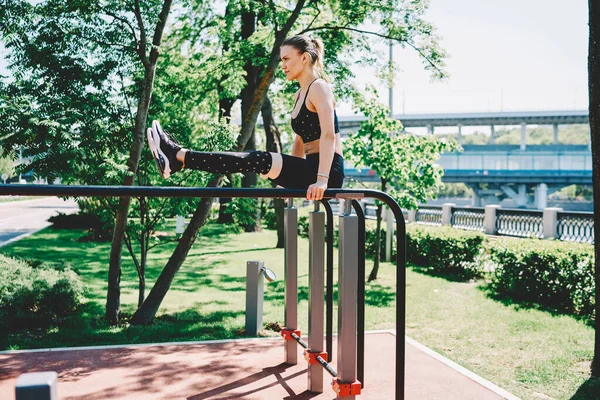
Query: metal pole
x=316 y=292
x=329 y=294
x=347 y=296
x=389 y=233
x=254 y=297
x=360 y=314
x=290 y=222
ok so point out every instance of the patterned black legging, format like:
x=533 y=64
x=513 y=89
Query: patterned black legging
x=296 y=172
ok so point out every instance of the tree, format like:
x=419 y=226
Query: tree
x=7 y=164
x=81 y=102
x=336 y=23
x=403 y=161
x=594 y=94
x=71 y=104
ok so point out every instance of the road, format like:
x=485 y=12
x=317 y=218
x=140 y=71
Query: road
x=21 y=218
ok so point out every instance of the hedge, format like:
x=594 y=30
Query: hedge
x=36 y=294
x=558 y=275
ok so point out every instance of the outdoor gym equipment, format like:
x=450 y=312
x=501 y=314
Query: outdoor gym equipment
x=350 y=354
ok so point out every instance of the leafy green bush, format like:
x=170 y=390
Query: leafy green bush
x=243 y=210
x=96 y=230
x=556 y=274
x=36 y=296
x=269 y=218
x=446 y=250
x=303 y=227
x=80 y=220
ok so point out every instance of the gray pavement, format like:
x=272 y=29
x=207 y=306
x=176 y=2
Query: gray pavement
x=21 y=218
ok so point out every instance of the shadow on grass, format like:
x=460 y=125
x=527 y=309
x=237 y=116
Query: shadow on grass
x=88 y=327
x=590 y=390
x=379 y=296
x=275 y=292
x=490 y=292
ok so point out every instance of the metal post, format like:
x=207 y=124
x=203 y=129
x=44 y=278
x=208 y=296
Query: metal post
x=36 y=386
x=329 y=293
x=316 y=293
x=290 y=223
x=360 y=312
x=389 y=233
x=254 y=297
x=347 y=291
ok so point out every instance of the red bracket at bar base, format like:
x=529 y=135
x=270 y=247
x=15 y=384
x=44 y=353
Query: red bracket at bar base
x=345 y=389
x=287 y=333
x=311 y=356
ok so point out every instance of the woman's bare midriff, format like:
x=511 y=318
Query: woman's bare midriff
x=313 y=147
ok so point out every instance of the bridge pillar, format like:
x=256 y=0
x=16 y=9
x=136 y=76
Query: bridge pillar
x=459 y=138
x=555 y=126
x=519 y=198
x=430 y=129
x=492 y=134
x=541 y=196
x=523 y=135
x=476 y=199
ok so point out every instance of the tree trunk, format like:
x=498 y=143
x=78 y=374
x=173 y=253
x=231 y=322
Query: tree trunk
x=594 y=104
x=279 y=212
x=375 y=270
x=249 y=179
x=249 y=121
x=225 y=218
x=274 y=145
x=145 y=314
x=113 y=302
x=225 y=105
x=142 y=277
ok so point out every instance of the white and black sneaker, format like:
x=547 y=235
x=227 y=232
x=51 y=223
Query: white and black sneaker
x=164 y=150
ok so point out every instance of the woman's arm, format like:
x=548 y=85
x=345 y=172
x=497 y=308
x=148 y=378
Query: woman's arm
x=322 y=98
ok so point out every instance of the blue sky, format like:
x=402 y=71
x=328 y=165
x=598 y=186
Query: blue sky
x=504 y=55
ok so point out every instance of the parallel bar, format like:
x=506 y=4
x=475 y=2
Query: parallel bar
x=290 y=223
x=137 y=191
x=316 y=289
x=329 y=294
x=163 y=191
x=347 y=296
x=400 y=297
x=360 y=315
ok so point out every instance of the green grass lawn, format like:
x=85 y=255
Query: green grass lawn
x=532 y=353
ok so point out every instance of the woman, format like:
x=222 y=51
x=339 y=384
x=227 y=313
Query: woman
x=316 y=161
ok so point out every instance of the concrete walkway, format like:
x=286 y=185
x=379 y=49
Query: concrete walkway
x=22 y=218
x=240 y=369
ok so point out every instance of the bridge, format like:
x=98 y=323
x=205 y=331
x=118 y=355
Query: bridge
x=349 y=124
x=525 y=173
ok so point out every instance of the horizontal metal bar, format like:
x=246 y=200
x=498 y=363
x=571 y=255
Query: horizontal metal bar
x=323 y=363
x=299 y=340
x=327 y=367
x=163 y=191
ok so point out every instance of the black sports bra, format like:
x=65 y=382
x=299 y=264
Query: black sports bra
x=306 y=124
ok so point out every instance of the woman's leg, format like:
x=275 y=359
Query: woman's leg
x=170 y=158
